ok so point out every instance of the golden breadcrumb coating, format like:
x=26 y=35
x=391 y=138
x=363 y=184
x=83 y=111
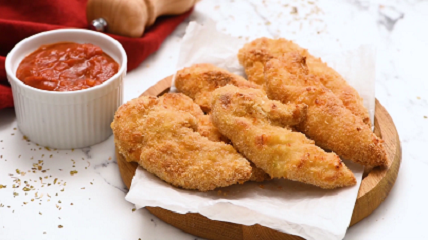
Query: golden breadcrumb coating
x=176 y=153
x=207 y=129
x=132 y=140
x=205 y=126
x=181 y=102
x=161 y=135
x=126 y=122
x=184 y=103
x=199 y=80
x=328 y=121
x=254 y=55
x=240 y=115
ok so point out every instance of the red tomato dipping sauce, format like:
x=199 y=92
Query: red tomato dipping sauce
x=66 y=66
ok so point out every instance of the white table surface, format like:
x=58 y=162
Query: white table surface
x=91 y=204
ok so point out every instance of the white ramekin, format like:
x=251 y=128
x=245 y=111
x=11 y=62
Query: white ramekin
x=73 y=119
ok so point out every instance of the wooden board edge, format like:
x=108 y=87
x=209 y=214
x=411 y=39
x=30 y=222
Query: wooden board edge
x=379 y=182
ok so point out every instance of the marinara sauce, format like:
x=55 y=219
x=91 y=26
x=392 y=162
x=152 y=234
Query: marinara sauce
x=66 y=66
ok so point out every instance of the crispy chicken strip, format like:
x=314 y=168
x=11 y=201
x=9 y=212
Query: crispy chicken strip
x=254 y=55
x=176 y=153
x=169 y=146
x=130 y=145
x=205 y=126
x=200 y=80
x=328 y=121
x=184 y=103
x=180 y=102
x=127 y=119
x=207 y=129
x=240 y=115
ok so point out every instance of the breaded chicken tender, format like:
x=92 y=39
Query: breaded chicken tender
x=241 y=115
x=200 y=80
x=161 y=134
x=184 y=103
x=130 y=144
x=328 y=121
x=254 y=55
x=180 y=102
x=207 y=129
x=176 y=153
x=127 y=119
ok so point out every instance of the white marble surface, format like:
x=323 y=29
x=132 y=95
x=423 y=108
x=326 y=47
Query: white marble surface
x=99 y=210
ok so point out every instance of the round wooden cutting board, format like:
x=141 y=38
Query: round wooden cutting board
x=374 y=188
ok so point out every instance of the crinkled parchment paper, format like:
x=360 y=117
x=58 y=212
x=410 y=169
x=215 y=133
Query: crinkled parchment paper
x=286 y=206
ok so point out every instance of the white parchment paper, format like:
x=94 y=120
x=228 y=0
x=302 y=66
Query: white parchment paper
x=286 y=206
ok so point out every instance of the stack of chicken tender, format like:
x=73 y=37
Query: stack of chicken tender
x=294 y=118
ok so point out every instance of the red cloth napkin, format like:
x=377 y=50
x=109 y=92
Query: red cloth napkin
x=22 y=18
